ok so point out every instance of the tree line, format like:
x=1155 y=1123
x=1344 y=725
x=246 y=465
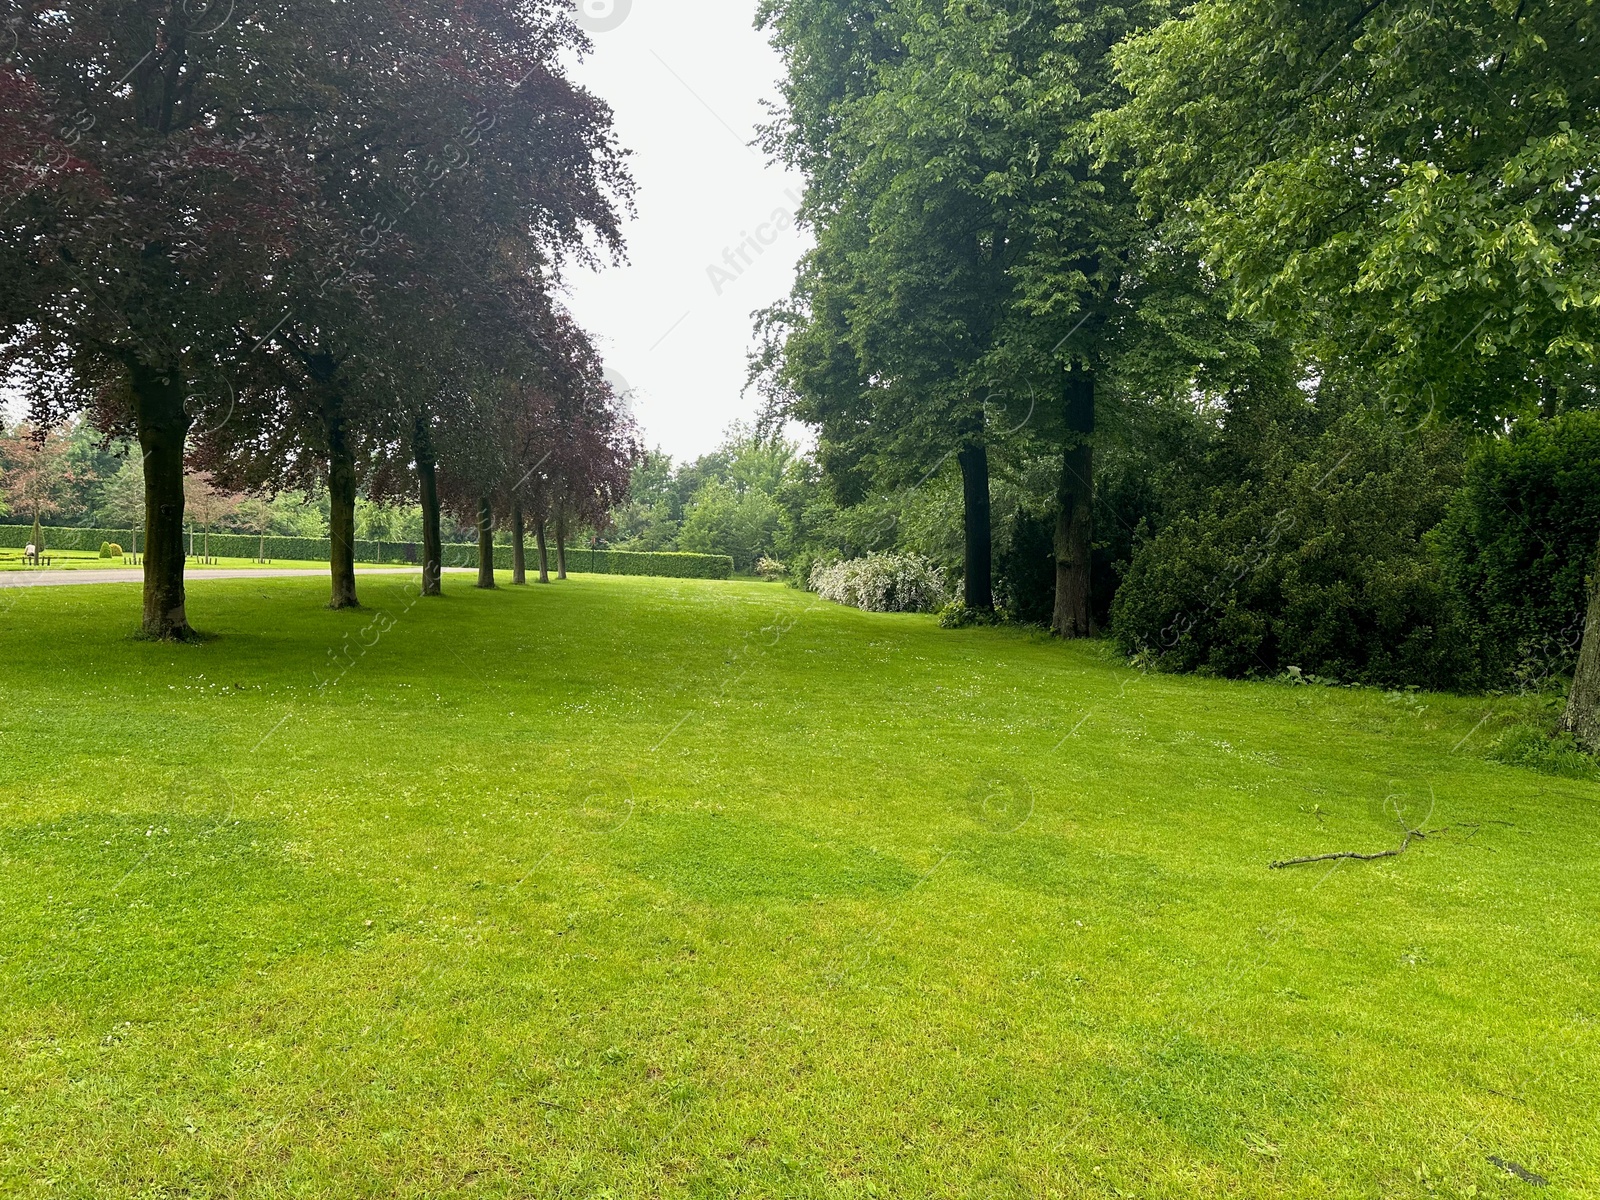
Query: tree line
x=302 y=247
x=1177 y=254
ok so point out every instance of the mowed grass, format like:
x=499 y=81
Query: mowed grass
x=630 y=887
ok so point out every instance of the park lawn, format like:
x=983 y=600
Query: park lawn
x=628 y=887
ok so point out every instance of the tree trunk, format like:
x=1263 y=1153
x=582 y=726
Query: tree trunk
x=485 y=543
x=979 y=584
x=1582 y=718
x=341 y=510
x=1074 y=539
x=561 y=544
x=428 y=478
x=519 y=551
x=544 y=555
x=163 y=426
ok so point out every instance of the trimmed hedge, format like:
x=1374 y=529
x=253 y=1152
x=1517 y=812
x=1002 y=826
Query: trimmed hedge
x=667 y=565
x=584 y=561
x=16 y=537
x=458 y=554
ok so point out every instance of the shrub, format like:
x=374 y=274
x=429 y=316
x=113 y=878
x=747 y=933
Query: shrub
x=116 y=551
x=883 y=583
x=105 y=549
x=1549 y=753
x=770 y=569
x=1320 y=564
x=956 y=615
x=1025 y=569
x=1517 y=547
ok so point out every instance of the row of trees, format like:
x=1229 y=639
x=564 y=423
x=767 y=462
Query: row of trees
x=1035 y=219
x=303 y=247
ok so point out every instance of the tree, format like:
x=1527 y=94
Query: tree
x=969 y=249
x=36 y=476
x=148 y=193
x=446 y=188
x=1406 y=186
x=210 y=507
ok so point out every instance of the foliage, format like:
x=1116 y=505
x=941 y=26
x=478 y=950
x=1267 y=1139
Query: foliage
x=883 y=583
x=732 y=501
x=1313 y=560
x=1408 y=184
x=37 y=478
x=1540 y=748
x=1517 y=548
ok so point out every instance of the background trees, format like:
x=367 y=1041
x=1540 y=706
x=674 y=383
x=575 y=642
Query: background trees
x=268 y=244
x=1405 y=189
x=1275 y=280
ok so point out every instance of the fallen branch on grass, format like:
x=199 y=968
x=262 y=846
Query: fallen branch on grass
x=1520 y=1171
x=1356 y=855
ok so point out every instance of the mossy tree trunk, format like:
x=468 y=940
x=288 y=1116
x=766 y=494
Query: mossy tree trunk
x=163 y=426
x=544 y=553
x=561 y=543
x=1074 y=533
x=485 y=543
x=428 y=480
x=519 y=550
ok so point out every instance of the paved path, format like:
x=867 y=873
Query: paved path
x=49 y=578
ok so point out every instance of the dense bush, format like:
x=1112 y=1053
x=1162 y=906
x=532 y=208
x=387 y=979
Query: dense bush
x=1320 y=563
x=1518 y=547
x=883 y=583
x=1025 y=568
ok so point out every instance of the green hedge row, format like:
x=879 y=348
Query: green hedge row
x=582 y=560
x=634 y=562
x=16 y=537
x=245 y=545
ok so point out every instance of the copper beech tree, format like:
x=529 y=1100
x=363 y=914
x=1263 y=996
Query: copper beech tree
x=223 y=236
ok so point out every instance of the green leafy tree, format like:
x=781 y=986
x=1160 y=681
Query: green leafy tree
x=1409 y=186
x=971 y=250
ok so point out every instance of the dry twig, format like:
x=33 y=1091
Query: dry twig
x=1357 y=856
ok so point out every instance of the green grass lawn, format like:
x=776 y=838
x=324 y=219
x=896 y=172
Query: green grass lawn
x=631 y=887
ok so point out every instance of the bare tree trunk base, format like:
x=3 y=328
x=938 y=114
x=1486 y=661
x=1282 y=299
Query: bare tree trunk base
x=485 y=545
x=163 y=427
x=432 y=539
x=1582 y=719
x=519 y=550
x=1074 y=546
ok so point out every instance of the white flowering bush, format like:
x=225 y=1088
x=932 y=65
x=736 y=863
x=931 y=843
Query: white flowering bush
x=883 y=583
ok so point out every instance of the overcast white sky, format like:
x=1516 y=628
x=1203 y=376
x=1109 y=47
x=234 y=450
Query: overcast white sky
x=686 y=79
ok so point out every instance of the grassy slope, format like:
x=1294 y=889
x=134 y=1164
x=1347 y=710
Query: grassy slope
x=677 y=888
